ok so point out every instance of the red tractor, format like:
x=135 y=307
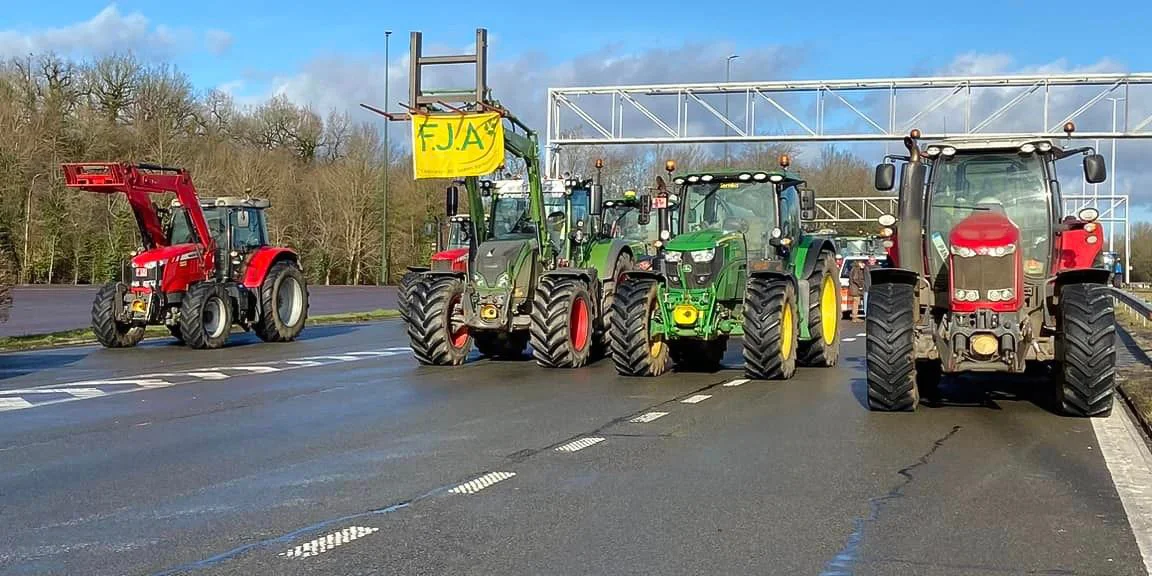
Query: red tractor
x=453 y=243
x=206 y=270
x=987 y=276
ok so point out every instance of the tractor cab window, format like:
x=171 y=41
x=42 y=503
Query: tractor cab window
x=247 y=228
x=510 y=219
x=623 y=221
x=790 y=212
x=459 y=234
x=730 y=207
x=1009 y=183
x=182 y=231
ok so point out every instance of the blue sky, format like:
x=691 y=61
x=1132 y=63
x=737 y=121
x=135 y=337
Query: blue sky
x=330 y=54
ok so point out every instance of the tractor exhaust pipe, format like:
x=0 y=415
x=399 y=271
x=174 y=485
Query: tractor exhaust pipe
x=910 y=217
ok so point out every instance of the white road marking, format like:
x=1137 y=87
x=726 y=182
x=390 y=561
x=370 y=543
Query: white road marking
x=1130 y=464
x=696 y=399
x=328 y=542
x=340 y=357
x=303 y=363
x=645 y=418
x=209 y=375
x=860 y=334
x=849 y=339
x=578 y=445
x=736 y=382
x=253 y=369
x=13 y=404
x=474 y=486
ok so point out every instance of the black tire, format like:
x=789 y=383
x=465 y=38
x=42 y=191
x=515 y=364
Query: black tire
x=563 y=323
x=435 y=303
x=406 y=281
x=206 y=316
x=890 y=348
x=769 y=345
x=110 y=333
x=823 y=350
x=624 y=263
x=1086 y=350
x=283 y=304
x=501 y=345
x=634 y=352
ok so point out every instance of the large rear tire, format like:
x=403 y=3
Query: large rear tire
x=1086 y=350
x=283 y=303
x=562 y=329
x=635 y=351
x=624 y=264
x=890 y=348
x=406 y=282
x=110 y=333
x=206 y=316
x=436 y=327
x=770 y=329
x=823 y=350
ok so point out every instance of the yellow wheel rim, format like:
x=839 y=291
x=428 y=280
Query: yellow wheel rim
x=829 y=309
x=786 y=332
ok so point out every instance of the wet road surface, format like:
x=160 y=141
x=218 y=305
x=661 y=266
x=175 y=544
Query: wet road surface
x=41 y=309
x=337 y=454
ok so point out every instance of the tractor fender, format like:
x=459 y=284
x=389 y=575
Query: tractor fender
x=586 y=274
x=603 y=257
x=1082 y=276
x=262 y=260
x=652 y=274
x=894 y=276
x=418 y=269
x=807 y=255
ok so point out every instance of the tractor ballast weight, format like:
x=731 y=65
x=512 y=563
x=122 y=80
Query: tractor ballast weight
x=987 y=275
x=198 y=276
x=524 y=282
x=751 y=272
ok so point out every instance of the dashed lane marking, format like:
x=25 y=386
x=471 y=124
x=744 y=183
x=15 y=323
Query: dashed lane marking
x=328 y=542
x=860 y=334
x=646 y=418
x=736 y=382
x=696 y=399
x=849 y=339
x=578 y=445
x=1130 y=463
x=474 y=486
x=49 y=394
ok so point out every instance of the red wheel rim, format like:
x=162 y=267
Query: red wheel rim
x=578 y=324
x=458 y=334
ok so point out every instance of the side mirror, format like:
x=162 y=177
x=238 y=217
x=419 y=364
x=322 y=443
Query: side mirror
x=1095 y=171
x=885 y=176
x=451 y=201
x=242 y=217
x=645 y=215
x=807 y=200
x=430 y=228
x=807 y=215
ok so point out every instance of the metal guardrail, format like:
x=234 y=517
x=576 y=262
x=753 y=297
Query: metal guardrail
x=1134 y=307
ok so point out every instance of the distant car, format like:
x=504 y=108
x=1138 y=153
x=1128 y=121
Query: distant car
x=846 y=264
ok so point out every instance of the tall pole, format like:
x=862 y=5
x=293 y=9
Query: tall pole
x=387 y=169
x=727 y=78
x=1112 y=177
x=28 y=230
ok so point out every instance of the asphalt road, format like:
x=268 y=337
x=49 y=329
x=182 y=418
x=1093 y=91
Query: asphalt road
x=337 y=454
x=41 y=309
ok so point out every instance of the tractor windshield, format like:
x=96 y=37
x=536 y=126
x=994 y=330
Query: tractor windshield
x=748 y=207
x=1009 y=182
x=459 y=233
x=510 y=219
x=623 y=221
x=182 y=230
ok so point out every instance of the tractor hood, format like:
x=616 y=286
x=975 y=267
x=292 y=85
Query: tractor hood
x=699 y=240
x=984 y=230
x=164 y=255
x=496 y=257
x=454 y=259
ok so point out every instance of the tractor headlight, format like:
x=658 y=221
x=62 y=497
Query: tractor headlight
x=150 y=265
x=994 y=295
x=1002 y=250
x=503 y=281
x=963 y=251
x=671 y=256
x=703 y=255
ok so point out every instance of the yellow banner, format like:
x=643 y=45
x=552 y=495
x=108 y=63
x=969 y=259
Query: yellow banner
x=457 y=145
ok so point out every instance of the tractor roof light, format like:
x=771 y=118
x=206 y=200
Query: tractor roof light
x=776 y=232
x=693 y=179
x=1088 y=214
x=665 y=235
x=1044 y=146
x=744 y=177
x=886 y=232
x=886 y=220
x=948 y=151
x=678 y=181
x=1028 y=148
x=759 y=176
x=775 y=178
x=932 y=151
x=706 y=178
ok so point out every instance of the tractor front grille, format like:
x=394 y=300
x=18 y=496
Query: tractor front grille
x=983 y=273
x=695 y=275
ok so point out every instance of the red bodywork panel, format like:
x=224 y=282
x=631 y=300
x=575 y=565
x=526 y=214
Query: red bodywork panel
x=260 y=261
x=182 y=266
x=1074 y=250
x=457 y=256
x=979 y=232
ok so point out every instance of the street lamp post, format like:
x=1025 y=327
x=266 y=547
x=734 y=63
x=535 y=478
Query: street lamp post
x=28 y=229
x=387 y=167
x=1112 y=177
x=727 y=78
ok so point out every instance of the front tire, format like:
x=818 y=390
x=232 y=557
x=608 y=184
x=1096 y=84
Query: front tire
x=562 y=323
x=823 y=350
x=635 y=350
x=108 y=331
x=283 y=304
x=770 y=329
x=890 y=348
x=1086 y=350
x=436 y=328
x=206 y=316
x=406 y=282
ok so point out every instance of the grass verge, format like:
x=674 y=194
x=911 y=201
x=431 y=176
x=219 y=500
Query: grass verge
x=1135 y=380
x=84 y=335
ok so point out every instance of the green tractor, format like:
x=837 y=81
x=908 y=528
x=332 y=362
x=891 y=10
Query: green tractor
x=736 y=262
x=529 y=278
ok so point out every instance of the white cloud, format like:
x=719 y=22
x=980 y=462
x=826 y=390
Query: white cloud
x=218 y=41
x=106 y=32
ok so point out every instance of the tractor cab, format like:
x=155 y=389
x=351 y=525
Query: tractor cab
x=237 y=225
